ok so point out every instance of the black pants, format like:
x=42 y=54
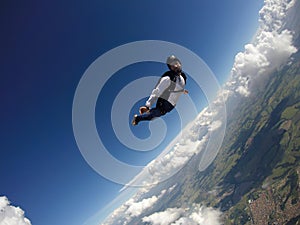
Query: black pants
x=162 y=107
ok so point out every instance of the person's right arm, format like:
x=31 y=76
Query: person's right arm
x=157 y=92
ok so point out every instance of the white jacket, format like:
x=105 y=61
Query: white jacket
x=165 y=83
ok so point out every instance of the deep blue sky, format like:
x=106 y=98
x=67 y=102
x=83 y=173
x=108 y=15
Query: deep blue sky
x=46 y=46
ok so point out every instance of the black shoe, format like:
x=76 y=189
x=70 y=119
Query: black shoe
x=135 y=120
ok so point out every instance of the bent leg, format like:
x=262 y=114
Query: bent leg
x=153 y=113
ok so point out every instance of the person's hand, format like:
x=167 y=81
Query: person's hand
x=185 y=91
x=143 y=109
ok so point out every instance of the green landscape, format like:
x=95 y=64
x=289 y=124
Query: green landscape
x=255 y=177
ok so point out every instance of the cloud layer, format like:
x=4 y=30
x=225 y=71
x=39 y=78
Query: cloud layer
x=195 y=215
x=11 y=215
x=271 y=48
x=136 y=206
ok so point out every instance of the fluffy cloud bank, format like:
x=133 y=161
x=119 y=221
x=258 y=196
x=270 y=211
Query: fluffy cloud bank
x=135 y=207
x=195 y=215
x=271 y=48
x=11 y=215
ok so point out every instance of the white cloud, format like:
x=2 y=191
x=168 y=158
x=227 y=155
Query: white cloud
x=164 y=218
x=137 y=208
x=194 y=215
x=11 y=215
x=177 y=158
x=215 y=125
x=202 y=215
x=271 y=48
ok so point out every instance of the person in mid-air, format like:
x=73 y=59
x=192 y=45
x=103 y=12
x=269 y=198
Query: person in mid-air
x=166 y=93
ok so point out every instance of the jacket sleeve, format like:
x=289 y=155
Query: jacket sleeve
x=158 y=90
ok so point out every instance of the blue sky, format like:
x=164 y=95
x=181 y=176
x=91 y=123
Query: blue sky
x=46 y=46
